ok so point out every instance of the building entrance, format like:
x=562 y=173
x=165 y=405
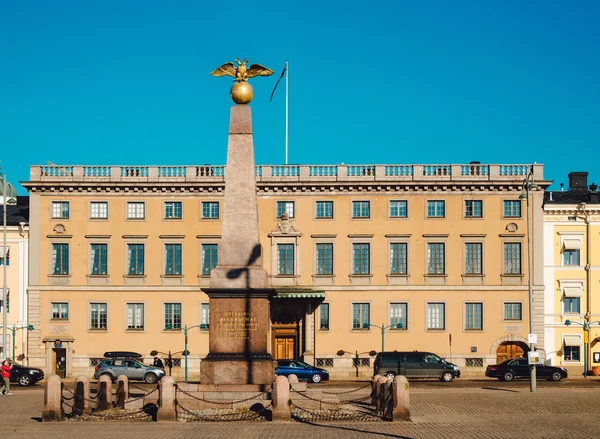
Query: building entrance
x=510 y=349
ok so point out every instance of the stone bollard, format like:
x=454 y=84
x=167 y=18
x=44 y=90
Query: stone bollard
x=167 y=410
x=82 y=404
x=292 y=378
x=401 y=399
x=104 y=394
x=53 y=410
x=122 y=391
x=282 y=410
x=381 y=382
x=374 y=389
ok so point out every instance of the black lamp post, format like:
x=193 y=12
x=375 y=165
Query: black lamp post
x=356 y=356
x=383 y=328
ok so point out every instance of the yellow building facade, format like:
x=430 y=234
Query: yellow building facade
x=361 y=258
x=572 y=276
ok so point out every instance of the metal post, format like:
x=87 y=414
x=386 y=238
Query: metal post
x=586 y=339
x=14 y=338
x=532 y=380
x=4 y=311
x=382 y=337
x=185 y=352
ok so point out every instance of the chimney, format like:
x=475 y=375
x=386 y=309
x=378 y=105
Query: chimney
x=594 y=195
x=578 y=181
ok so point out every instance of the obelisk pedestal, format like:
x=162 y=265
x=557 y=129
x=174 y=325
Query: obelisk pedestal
x=238 y=293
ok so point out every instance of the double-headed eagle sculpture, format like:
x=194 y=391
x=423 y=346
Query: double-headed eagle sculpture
x=241 y=92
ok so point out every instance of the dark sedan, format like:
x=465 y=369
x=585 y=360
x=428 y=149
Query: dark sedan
x=519 y=368
x=25 y=376
x=302 y=370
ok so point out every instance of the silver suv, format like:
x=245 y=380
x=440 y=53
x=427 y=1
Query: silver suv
x=124 y=365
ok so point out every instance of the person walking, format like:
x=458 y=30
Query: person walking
x=6 y=367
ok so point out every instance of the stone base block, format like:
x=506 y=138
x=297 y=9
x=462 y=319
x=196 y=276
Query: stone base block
x=237 y=372
x=49 y=415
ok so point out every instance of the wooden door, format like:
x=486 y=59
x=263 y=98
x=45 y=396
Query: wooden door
x=284 y=347
x=508 y=351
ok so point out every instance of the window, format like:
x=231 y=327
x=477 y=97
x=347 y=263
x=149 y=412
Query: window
x=473 y=316
x=60 y=209
x=513 y=311
x=60 y=259
x=512 y=258
x=324 y=209
x=512 y=208
x=173 y=259
x=473 y=209
x=324 y=317
x=98 y=317
x=360 y=315
x=571 y=353
x=398 y=209
x=285 y=259
x=99 y=210
x=204 y=316
x=571 y=257
x=173 y=209
x=361 y=209
x=99 y=257
x=285 y=207
x=7 y=302
x=136 y=210
x=473 y=258
x=135 y=316
x=436 y=209
x=210 y=210
x=5 y=256
x=210 y=258
x=135 y=259
x=325 y=259
x=436 y=316
x=571 y=305
x=436 y=258
x=398 y=261
x=60 y=311
x=361 y=253
x=398 y=315
x=172 y=316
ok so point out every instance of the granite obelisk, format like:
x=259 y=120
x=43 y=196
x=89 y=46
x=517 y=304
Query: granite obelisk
x=238 y=293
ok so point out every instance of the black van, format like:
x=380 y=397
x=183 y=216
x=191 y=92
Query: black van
x=415 y=365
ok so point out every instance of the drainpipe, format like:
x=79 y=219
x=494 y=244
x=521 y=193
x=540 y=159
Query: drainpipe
x=588 y=273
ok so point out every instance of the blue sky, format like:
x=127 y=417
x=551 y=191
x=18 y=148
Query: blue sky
x=436 y=82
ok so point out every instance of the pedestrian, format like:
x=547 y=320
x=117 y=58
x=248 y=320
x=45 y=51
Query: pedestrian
x=6 y=367
x=158 y=363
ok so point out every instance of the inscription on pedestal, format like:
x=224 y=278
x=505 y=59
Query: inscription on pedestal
x=236 y=325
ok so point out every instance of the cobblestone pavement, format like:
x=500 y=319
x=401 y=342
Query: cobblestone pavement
x=493 y=412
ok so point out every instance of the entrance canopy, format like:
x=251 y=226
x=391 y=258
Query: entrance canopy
x=298 y=293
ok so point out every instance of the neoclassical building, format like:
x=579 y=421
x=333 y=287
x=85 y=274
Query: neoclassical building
x=362 y=258
x=572 y=275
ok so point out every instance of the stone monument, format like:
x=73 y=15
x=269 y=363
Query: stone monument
x=238 y=293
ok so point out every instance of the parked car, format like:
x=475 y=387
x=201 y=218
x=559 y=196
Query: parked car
x=302 y=370
x=519 y=368
x=25 y=376
x=126 y=363
x=414 y=364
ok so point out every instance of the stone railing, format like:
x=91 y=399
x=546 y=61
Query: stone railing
x=287 y=173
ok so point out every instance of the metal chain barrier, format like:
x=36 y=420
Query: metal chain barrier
x=218 y=402
x=217 y=415
x=115 y=415
x=314 y=399
x=143 y=396
x=349 y=391
x=348 y=413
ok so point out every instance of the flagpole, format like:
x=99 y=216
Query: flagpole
x=287 y=77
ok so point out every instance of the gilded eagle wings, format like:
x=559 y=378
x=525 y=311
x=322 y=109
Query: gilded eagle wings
x=258 y=70
x=226 y=69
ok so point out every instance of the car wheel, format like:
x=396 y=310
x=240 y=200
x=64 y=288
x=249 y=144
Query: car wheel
x=25 y=380
x=316 y=378
x=508 y=376
x=447 y=377
x=556 y=376
x=150 y=378
x=390 y=375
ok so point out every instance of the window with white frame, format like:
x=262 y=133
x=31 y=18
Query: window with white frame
x=324 y=317
x=399 y=315
x=571 y=305
x=135 y=259
x=361 y=315
x=436 y=315
x=474 y=316
x=436 y=208
x=512 y=258
x=99 y=259
x=473 y=209
x=210 y=258
x=98 y=210
x=173 y=210
x=60 y=310
x=571 y=252
x=135 y=316
x=513 y=311
x=398 y=209
x=98 y=315
x=571 y=348
x=436 y=258
x=5 y=256
x=361 y=258
x=473 y=251
x=204 y=316
x=7 y=302
x=60 y=209
x=398 y=258
x=511 y=208
x=136 y=210
x=173 y=259
x=324 y=209
x=286 y=207
x=324 y=261
x=210 y=210
x=172 y=313
x=60 y=259
x=361 y=209
x=285 y=259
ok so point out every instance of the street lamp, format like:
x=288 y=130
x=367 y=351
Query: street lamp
x=169 y=357
x=587 y=327
x=383 y=328
x=529 y=184
x=14 y=330
x=185 y=351
x=9 y=196
x=356 y=356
